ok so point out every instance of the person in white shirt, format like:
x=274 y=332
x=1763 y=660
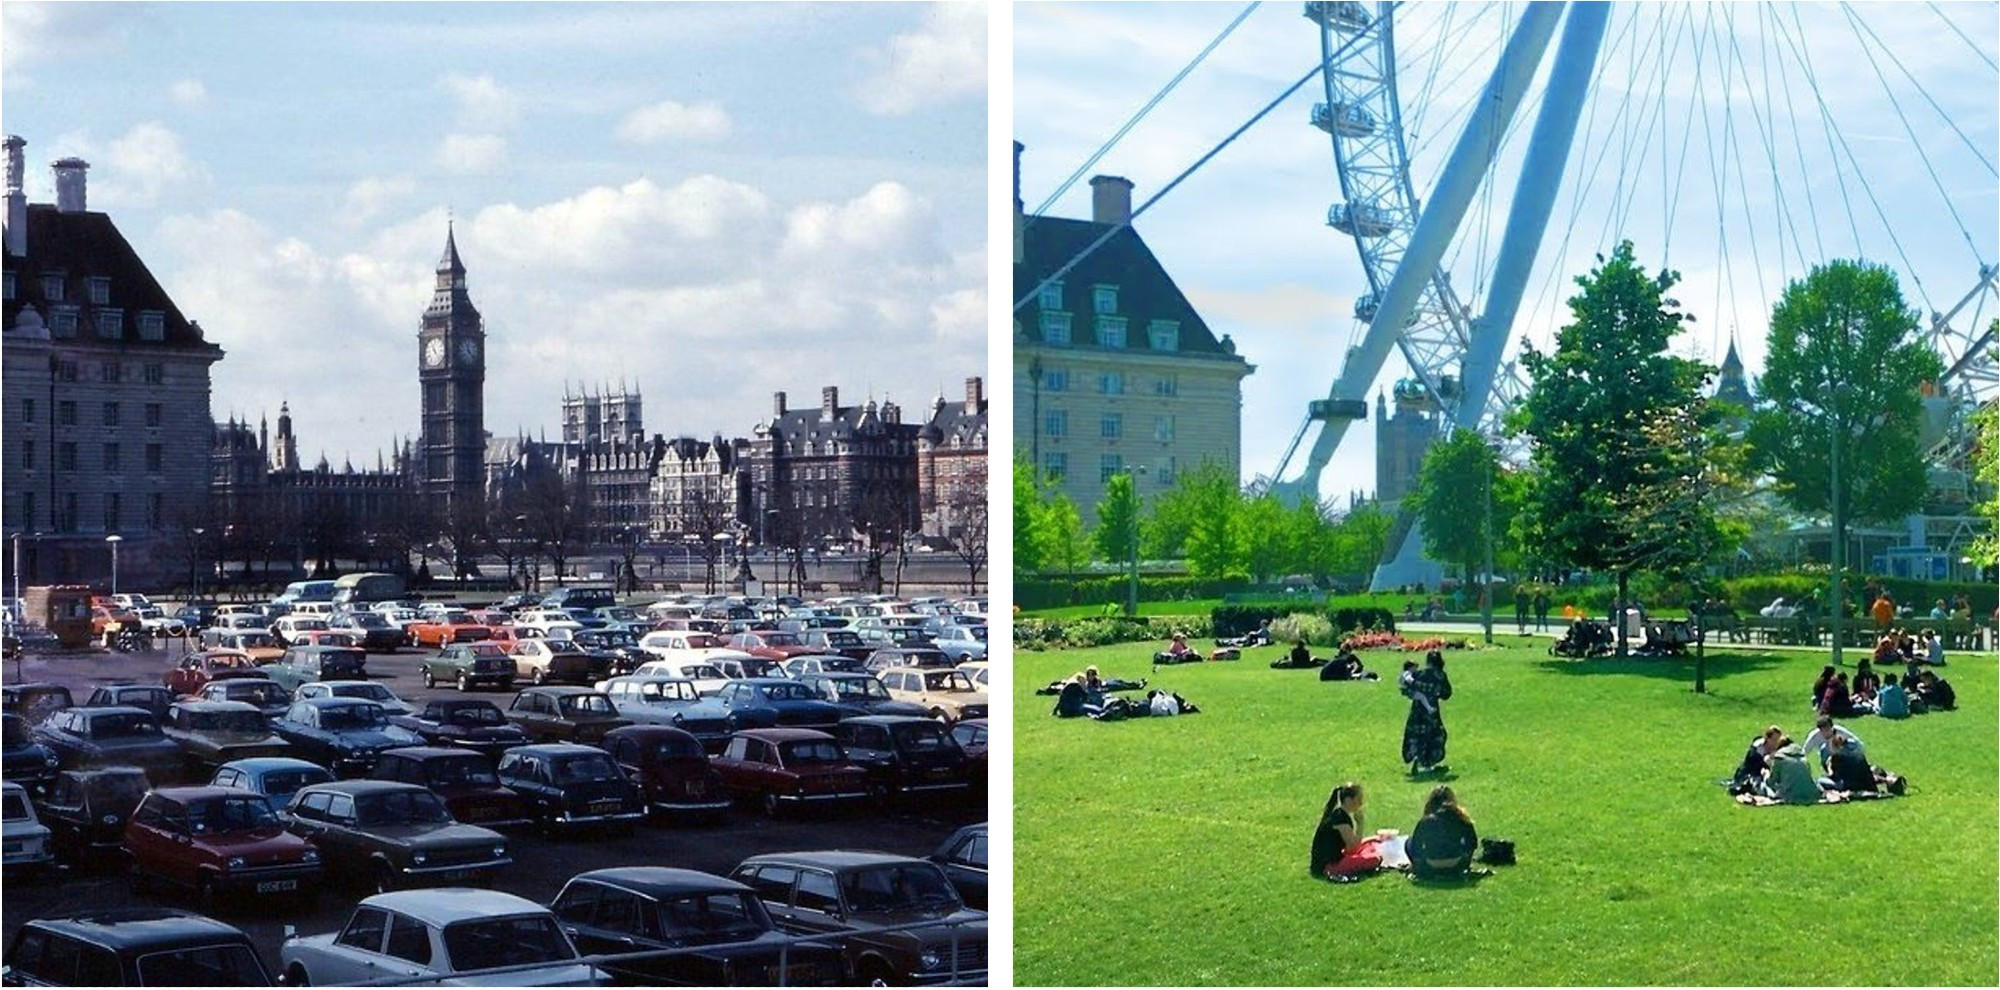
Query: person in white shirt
x=1822 y=736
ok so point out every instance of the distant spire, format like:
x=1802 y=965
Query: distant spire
x=449 y=264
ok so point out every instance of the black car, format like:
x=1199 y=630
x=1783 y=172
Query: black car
x=377 y=634
x=568 y=785
x=931 y=937
x=344 y=735
x=618 y=644
x=86 y=811
x=963 y=857
x=636 y=908
x=469 y=723
x=905 y=754
x=111 y=736
x=389 y=834
x=153 y=698
x=24 y=761
x=136 y=947
x=860 y=693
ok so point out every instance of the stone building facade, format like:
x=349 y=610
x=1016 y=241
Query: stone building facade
x=952 y=467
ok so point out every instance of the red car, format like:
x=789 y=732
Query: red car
x=671 y=767
x=451 y=627
x=220 y=843
x=776 y=768
x=464 y=779
x=771 y=644
x=196 y=669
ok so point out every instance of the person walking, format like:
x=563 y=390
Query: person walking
x=1541 y=610
x=1423 y=731
x=1521 y=599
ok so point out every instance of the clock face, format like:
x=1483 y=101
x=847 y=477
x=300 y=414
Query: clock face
x=468 y=350
x=433 y=352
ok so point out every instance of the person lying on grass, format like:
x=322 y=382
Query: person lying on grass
x=1442 y=844
x=1338 y=849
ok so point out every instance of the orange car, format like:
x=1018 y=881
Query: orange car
x=451 y=627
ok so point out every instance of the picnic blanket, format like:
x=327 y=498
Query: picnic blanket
x=1826 y=797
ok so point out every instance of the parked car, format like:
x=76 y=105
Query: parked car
x=261 y=693
x=861 y=693
x=218 y=842
x=195 y=616
x=212 y=733
x=546 y=661
x=947 y=694
x=470 y=665
x=344 y=735
x=771 y=644
x=779 y=768
x=768 y=702
x=567 y=785
x=907 y=656
x=961 y=642
x=661 y=700
x=462 y=777
x=154 y=699
x=550 y=623
x=301 y=664
x=115 y=735
x=617 y=642
x=636 y=908
x=906 y=754
x=288 y=629
x=858 y=894
x=442 y=936
x=466 y=723
x=970 y=734
x=275 y=777
x=707 y=677
x=25 y=761
x=980 y=672
x=374 y=691
x=370 y=630
x=842 y=641
x=195 y=670
x=671 y=768
x=35 y=702
x=963 y=859
x=450 y=627
x=258 y=644
x=86 y=812
x=390 y=834
x=821 y=663
x=133 y=947
x=24 y=840
x=564 y=714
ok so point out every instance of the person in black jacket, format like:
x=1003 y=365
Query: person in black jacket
x=1442 y=844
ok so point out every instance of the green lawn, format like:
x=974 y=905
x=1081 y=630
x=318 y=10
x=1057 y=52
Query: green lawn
x=1173 y=851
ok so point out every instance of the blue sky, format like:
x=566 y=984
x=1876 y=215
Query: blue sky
x=1246 y=235
x=712 y=201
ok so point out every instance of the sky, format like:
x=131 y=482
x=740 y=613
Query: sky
x=1655 y=153
x=710 y=202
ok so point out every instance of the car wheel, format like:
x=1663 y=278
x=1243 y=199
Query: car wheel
x=464 y=682
x=541 y=674
x=296 y=976
x=772 y=805
x=430 y=679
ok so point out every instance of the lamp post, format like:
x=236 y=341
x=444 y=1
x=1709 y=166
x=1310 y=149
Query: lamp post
x=114 y=539
x=196 y=562
x=1486 y=584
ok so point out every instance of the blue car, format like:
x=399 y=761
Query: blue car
x=26 y=762
x=776 y=702
x=344 y=735
x=275 y=777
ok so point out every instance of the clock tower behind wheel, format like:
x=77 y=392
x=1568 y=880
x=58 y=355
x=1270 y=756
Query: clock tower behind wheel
x=451 y=369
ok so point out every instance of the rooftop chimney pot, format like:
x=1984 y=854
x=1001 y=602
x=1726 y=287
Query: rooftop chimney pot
x=1110 y=199
x=70 y=183
x=778 y=403
x=829 y=398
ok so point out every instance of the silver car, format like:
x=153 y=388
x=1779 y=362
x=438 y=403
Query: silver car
x=446 y=935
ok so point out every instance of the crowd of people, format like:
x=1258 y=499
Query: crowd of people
x=1776 y=769
x=1871 y=692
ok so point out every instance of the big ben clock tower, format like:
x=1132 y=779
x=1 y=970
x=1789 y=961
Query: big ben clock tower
x=451 y=368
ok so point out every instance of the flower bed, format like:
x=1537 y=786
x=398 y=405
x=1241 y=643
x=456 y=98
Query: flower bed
x=1391 y=641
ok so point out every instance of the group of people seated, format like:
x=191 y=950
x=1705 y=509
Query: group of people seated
x=1260 y=636
x=1775 y=767
x=1441 y=847
x=1178 y=651
x=1869 y=693
x=1087 y=694
x=1344 y=666
x=1900 y=646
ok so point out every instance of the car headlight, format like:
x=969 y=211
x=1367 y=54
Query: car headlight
x=309 y=856
x=236 y=862
x=499 y=850
x=930 y=958
x=51 y=760
x=419 y=857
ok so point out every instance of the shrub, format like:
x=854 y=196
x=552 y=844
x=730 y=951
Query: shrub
x=1314 y=629
x=1031 y=593
x=1062 y=634
x=1349 y=619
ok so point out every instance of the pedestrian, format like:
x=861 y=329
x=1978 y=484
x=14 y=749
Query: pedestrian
x=1423 y=731
x=1521 y=600
x=1541 y=609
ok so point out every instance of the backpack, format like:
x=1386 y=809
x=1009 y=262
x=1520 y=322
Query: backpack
x=1496 y=852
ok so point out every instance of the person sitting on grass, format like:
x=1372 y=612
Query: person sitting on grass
x=1936 y=692
x=1177 y=651
x=1788 y=780
x=1749 y=777
x=1344 y=666
x=1888 y=651
x=1892 y=701
x=1847 y=769
x=1837 y=701
x=1338 y=849
x=1822 y=737
x=1865 y=685
x=1820 y=685
x=1299 y=657
x=1442 y=844
x=1933 y=648
x=1913 y=690
x=1073 y=702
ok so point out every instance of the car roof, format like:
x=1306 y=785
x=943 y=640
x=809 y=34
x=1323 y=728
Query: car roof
x=889 y=720
x=646 y=732
x=556 y=749
x=358 y=788
x=137 y=928
x=335 y=701
x=269 y=764
x=662 y=881
x=205 y=705
x=838 y=859
x=196 y=792
x=94 y=710
x=432 y=752
x=322 y=648
x=783 y=735
x=564 y=689
x=447 y=905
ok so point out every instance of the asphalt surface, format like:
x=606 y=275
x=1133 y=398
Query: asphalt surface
x=541 y=865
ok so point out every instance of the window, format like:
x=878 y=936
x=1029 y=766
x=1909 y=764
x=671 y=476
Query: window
x=1109 y=466
x=27 y=410
x=111 y=457
x=156 y=458
x=1111 y=332
x=65 y=370
x=100 y=290
x=111 y=372
x=52 y=288
x=1104 y=298
x=62 y=321
x=1055 y=328
x=408 y=939
x=364 y=930
x=1164 y=335
x=1055 y=464
x=1052 y=295
x=1111 y=383
x=1163 y=428
x=1111 y=426
x=1055 y=379
x=111 y=416
x=10 y=285
x=817 y=892
x=113 y=516
x=65 y=520
x=1166 y=385
x=66 y=412
x=110 y=323
x=27 y=455
x=66 y=456
x=1169 y=471
x=155 y=374
x=1055 y=422
x=153 y=414
x=28 y=511
x=152 y=325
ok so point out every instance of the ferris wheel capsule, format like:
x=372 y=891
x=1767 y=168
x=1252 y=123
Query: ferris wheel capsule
x=1344 y=15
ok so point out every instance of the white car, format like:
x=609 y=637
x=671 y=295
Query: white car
x=689 y=644
x=707 y=677
x=552 y=623
x=444 y=935
x=132 y=602
x=156 y=621
x=1778 y=610
x=978 y=671
x=369 y=690
x=398 y=615
x=962 y=643
x=26 y=838
x=241 y=622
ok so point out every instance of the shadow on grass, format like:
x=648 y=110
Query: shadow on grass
x=1719 y=666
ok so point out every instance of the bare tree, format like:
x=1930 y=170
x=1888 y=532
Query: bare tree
x=884 y=511
x=965 y=523
x=557 y=517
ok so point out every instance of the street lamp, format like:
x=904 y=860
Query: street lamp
x=114 y=539
x=196 y=562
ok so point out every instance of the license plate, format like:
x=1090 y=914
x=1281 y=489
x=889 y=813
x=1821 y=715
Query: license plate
x=603 y=807
x=450 y=875
x=698 y=789
x=482 y=811
x=274 y=886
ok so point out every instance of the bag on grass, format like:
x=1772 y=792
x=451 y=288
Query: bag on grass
x=1496 y=852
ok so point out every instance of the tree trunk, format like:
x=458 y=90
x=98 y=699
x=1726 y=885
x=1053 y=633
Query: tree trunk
x=1624 y=579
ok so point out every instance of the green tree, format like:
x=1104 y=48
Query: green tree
x=1986 y=478
x=1360 y=540
x=1594 y=409
x=1270 y=545
x=1117 y=519
x=1311 y=537
x=1449 y=497
x=1029 y=539
x=1215 y=540
x=1064 y=546
x=1177 y=512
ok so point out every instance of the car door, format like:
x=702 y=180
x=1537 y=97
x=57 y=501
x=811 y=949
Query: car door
x=773 y=885
x=355 y=956
x=816 y=902
x=965 y=863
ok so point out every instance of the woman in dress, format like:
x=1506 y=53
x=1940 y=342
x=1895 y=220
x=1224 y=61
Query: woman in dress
x=1423 y=731
x=1338 y=849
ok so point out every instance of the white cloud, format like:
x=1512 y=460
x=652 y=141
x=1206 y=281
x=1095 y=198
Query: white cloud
x=188 y=92
x=943 y=60
x=483 y=104
x=471 y=153
x=668 y=120
x=135 y=169
x=367 y=197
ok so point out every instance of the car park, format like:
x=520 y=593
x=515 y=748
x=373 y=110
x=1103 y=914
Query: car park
x=288 y=628
x=462 y=777
x=344 y=735
x=196 y=669
x=905 y=754
x=218 y=842
x=25 y=761
x=548 y=661
x=661 y=700
x=548 y=622
x=730 y=935
x=212 y=733
x=618 y=643
x=390 y=834
x=768 y=702
x=947 y=694
x=374 y=691
x=564 y=714
x=470 y=665
x=316 y=663
x=465 y=723
x=771 y=644
x=870 y=900
x=263 y=693
x=841 y=641
x=34 y=702
x=24 y=840
x=963 y=859
x=134 y=947
x=707 y=677
x=961 y=642
x=451 y=627
x=442 y=936
x=110 y=736
x=861 y=693
x=86 y=812
x=567 y=785
x=671 y=767
x=779 y=768
x=154 y=699
x=275 y=777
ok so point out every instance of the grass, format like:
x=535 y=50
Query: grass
x=1173 y=851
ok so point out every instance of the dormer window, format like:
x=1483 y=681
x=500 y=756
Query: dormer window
x=100 y=290
x=152 y=325
x=52 y=288
x=1104 y=298
x=1052 y=295
x=110 y=323
x=1111 y=332
x=1055 y=328
x=62 y=321
x=1164 y=335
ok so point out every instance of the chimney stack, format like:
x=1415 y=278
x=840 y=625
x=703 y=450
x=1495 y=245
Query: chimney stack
x=17 y=198
x=778 y=404
x=70 y=184
x=975 y=394
x=1110 y=199
x=829 y=400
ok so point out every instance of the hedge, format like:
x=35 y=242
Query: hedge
x=1031 y=593
x=1048 y=634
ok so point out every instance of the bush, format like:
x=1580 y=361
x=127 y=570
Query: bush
x=1316 y=630
x=1063 y=634
x=1350 y=619
x=1235 y=620
x=1032 y=593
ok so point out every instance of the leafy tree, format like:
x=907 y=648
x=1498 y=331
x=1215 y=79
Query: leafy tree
x=1215 y=541
x=967 y=505
x=1177 y=513
x=1063 y=544
x=1986 y=477
x=1595 y=410
x=1360 y=540
x=1450 y=498
x=1029 y=540
x=1312 y=540
x=1270 y=544
x=1117 y=519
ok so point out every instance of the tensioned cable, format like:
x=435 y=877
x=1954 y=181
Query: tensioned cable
x=1673 y=204
x=1436 y=54
x=1798 y=144
x=1655 y=125
x=1969 y=43
x=1733 y=149
x=1765 y=127
x=1190 y=170
x=1925 y=93
x=1454 y=123
x=1804 y=56
x=1718 y=166
x=1134 y=120
x=1915 y=144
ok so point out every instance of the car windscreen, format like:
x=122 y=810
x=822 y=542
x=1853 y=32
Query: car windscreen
x=702 y=672
x=283 y=783
x=116 y=790
x=368 y=620
x=123 y=726
x=230 y=814
x=489 y=942
x=352 y=717
x=678 y=746
x=788 y=692
x=948 y=680
x=256 y=640
x=704 y=641
x=861 y=687
x=460 y=771
x=203 y=966
x=813 y=751
x=16 y=807
x=584 y=767
x=475 y=715
x=898 y=888
x=266 y=693
x=412 y=807
x=841 y=637
x=575 y=705
x=782 y=639
x=370 y=691
x=978 y=632
x=664 y=691
x=921 y=737
x=711 y=918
